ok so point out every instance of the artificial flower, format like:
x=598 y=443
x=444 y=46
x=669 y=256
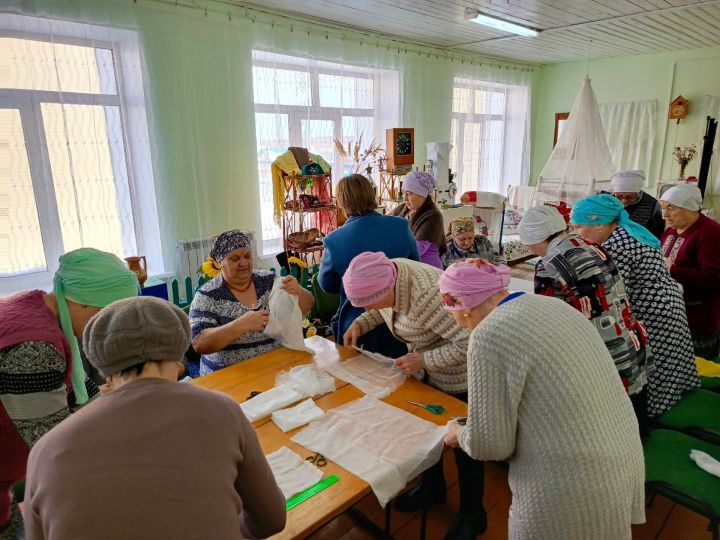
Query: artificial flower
x=210 y=267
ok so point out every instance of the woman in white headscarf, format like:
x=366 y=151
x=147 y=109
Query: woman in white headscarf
x=642 y=207
x=584 y=276
x=690 y=247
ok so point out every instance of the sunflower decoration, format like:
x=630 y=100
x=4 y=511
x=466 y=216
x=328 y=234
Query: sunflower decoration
x=297 y=262
x=210 y=268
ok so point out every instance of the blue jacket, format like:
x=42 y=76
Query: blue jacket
x=368 y=232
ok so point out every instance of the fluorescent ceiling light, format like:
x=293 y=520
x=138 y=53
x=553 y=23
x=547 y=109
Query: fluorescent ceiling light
x=473 y=15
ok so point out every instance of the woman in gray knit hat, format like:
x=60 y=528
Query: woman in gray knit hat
x=153 y=458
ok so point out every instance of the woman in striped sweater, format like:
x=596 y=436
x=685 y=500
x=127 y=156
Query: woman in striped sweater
x=404 y=295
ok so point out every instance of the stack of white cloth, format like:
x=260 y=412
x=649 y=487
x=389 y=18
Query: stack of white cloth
x=371 y=373
x=292 y=473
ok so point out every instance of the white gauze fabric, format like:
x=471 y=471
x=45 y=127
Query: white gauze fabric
x=265 y=403
x=299 y=415
x=307 y=379
x=371 y=373
x=381 y=444
x=285 y=323
x=706 y=462
x=292 y=473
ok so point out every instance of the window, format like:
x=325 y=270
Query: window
x=489 y=135
x=65 y=179
x=309 y=104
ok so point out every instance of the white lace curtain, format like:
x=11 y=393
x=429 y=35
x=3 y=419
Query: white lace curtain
x=630 y=132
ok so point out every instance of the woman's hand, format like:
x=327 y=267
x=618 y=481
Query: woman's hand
x=291 y=286
x=451 y=439
x=350 y=337
x=410 y=363
x=253 y=321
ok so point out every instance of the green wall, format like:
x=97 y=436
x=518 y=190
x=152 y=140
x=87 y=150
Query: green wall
x=692 y=73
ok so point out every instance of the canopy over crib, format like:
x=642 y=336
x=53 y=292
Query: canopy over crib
x=580 y=163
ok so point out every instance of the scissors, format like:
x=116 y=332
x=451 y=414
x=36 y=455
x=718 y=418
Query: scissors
x=318 y=459
x=253 y=394
x=435 y=409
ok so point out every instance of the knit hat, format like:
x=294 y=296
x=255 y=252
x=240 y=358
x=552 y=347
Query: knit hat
x=420 y=183
x=462 y=225
x=469 y=282
x=227 y=242
x=136 y=330
x=93 y=278
x=603 y=209
x=684 y=196
x=369 y=278
x=627 y=181
x=540 y=222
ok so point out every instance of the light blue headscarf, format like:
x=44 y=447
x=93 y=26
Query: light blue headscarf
x=602 y=209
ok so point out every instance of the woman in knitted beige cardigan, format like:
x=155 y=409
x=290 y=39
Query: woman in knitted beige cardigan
x=404 y=295
x=544 y=394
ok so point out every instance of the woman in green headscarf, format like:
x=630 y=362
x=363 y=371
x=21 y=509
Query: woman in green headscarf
x=41 y=373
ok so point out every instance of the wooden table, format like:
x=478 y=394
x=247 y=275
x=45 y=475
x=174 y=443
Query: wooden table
x=259 y=374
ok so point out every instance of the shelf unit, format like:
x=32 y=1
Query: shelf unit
x=298 y=220
x=390 y=192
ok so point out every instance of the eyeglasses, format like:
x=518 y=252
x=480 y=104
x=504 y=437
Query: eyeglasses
x=629 y=197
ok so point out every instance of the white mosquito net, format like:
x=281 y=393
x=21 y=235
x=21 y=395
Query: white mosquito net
x=580 y=163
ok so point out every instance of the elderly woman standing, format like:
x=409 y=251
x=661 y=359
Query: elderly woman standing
x=365 y=230
x=654 y=296
x=690 y=247
x=465 y=244
x=230 y=312
x=584 y=276
x=404 y=295
x=550 y=401
x=426 y=221
x=642 y=207
x=41 y=372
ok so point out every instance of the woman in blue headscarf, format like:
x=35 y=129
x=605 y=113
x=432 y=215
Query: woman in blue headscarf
x=654 y=296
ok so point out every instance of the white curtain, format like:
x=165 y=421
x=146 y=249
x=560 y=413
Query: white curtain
x=630 y=132
x=711 y=107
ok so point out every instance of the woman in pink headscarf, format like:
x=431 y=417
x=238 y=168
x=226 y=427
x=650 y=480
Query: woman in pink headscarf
x=404 y=295
x=544 y=394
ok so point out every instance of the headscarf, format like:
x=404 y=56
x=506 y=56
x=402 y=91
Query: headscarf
x=369 y=278
x=685 y=196
x=602 y=209
x=420 y=183
x=462 y=225
x=89 y=277
x=468 y=283
x=627 y=181
x=539 y=223
x=227 y=242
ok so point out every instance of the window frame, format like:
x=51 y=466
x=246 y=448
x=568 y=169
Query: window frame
x=29 y=102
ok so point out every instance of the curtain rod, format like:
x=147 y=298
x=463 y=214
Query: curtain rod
x=255 y=14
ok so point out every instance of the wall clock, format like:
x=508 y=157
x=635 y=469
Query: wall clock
x=678 y=108
x=400 y=144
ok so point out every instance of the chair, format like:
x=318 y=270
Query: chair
x=697 y=414
x=670 y=472
x=326 y=304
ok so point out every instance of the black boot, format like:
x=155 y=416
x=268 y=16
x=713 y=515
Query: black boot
x=467 y=526
x=431 y=490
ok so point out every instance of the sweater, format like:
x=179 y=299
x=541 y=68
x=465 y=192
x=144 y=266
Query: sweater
x=419 y=319
x=544 y=392
x=368 y=232
x=697 y=268
x=647 y=212
x=152 y=459
x=426 y=224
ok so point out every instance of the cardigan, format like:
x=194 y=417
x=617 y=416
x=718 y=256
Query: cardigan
x=367 y=232
x=426 y=225
x=544 y=393
x=419 y=319
x=153 y=459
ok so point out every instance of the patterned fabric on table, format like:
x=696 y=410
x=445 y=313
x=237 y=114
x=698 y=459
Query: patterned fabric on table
x=584 y=276
x=215 y=305
x=656 y=301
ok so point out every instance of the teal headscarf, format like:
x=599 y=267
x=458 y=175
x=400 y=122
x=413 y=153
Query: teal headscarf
x=602 y=209
x=89 y=277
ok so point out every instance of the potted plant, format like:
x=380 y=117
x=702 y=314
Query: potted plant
x=684 y=155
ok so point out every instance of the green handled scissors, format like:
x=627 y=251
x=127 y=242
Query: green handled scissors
x=435 y=409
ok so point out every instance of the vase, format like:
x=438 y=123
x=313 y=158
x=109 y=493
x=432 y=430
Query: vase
x=683 y=164
x=140 y=271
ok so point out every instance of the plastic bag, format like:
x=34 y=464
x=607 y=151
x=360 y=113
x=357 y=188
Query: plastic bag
x=285 y=323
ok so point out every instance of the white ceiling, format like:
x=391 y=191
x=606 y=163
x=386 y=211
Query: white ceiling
x=616 y=27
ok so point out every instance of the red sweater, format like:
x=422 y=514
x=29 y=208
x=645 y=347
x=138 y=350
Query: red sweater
x=697 y=267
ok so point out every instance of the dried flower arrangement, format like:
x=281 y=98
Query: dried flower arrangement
x=363 y=160
x=684 y=155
